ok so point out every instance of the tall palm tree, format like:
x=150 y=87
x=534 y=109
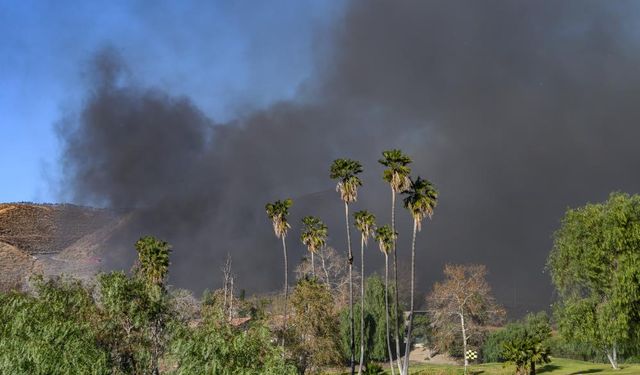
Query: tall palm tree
x=397 y=175
x=314 y=237
x=278 y=212
x=421 y=199
x=346 y=172
x=385 y=237
x=366 y=224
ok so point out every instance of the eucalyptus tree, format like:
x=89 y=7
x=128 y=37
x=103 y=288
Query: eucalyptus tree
x=278 y=212
x=346 y=172
x=421 y=199
x=397 y=175
x=366 y=224
x=314 y=237
x=385 y=237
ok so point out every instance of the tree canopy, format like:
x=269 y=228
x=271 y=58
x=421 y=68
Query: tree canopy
x=595 y=267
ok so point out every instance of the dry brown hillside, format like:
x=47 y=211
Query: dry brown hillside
x=50 y=239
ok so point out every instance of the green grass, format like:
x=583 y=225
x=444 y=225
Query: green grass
x=558 y=366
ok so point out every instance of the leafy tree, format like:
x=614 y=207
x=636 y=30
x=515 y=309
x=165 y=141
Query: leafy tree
x=314 y=237
x=214 y=347
x=463 y=299
x=314 y=323
x=51 y=332
x=128 y=311
x=420 y=201
x=365 y=222
x=595 y=267
x=385 y=237
x=375 y=328
x=397 y=175
x=346 y=172
x=375 y=319
x=278 y=212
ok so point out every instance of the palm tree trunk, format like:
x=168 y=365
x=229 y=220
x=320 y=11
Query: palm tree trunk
x=386 y=307
x=286 y=290
x=395 y=281
x=407 y=349
x=352 y=342
x=313 y=266
x=361 y=305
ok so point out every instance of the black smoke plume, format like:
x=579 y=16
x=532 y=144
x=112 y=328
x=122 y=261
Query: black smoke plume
x=514 y=109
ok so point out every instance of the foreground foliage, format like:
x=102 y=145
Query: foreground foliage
x=216 y=347
x=51 y=332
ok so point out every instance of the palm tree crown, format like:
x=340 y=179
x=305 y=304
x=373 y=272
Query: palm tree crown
x=397 y=172
x=366 y=224
x=314 y=233
x=421 y=200
x=385 y=236
x=346 y=171
x=277 y=212
x=153 y=258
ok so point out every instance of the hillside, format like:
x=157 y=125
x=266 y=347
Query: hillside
x=51 y=239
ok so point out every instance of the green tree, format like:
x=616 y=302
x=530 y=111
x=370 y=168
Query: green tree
x=316 y=332
x=375 y=336
x=214 y=347
x=420 y=201
x=397 y=175
x=51 y=332
x=365 y=222
x=346 y=172
x=376 y=313
x=314 y=237
x=278 y=212
x=595 y=267
x=127 y=312
x=386 y=238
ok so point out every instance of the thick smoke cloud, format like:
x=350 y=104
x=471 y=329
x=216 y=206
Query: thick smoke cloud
x=516 y=110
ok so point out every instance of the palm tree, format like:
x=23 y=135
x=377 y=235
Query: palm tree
x=421 y=199
x=366 y=224
x=397 y=175
x=314 y=237
x=153 y=267
x=346 y=172
x=153 y=259
x=278 y=212
x=385 y=237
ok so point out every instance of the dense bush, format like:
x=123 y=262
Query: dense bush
x=216 y=347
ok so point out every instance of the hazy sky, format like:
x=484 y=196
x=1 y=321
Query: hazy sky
x=227 y=56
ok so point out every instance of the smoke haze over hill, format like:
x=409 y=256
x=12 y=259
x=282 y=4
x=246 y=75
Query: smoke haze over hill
x=515 y=110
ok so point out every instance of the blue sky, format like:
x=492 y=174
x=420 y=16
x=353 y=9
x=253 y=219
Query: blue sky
x=226 y=56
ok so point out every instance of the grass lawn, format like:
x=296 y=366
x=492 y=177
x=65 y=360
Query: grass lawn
x=558 y=366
